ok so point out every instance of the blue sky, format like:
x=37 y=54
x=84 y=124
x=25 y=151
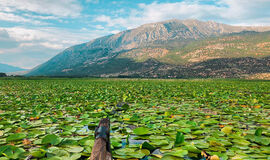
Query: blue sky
x=33 y=31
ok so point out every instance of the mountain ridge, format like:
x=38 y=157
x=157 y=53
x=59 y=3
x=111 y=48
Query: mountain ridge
x=175 y=42
x=156 y=31
x=8 y=68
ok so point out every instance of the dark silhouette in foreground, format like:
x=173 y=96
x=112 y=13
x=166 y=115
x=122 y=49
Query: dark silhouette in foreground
x=102 y=147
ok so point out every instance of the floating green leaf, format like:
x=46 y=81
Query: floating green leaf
x=258 y=132
x=56 y=118
x=178 y=153
x=51 y=139
x=141 y=131
x=227 y=129
x=74 y=149
x=16 y=137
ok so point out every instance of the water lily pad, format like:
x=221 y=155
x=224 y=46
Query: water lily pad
x=169 y=157
x=16 y=137
x=66 y=117
x=51 y=139
x=12 y=152
x=159 y=143
x=55 y=151
x=178 y=153
x=227 y=129
x=74 y=149
x=202 y=145
x=130 y=152
x=75 y=156
x=141 y=131
x=198 y=132
x=169 y=146
x=258 y=132
x=191 y=148
x=38 y=153
x=124 y=151
x=185 y=130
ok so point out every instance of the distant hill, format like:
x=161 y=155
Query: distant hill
x=8 y=68
x=173 y=48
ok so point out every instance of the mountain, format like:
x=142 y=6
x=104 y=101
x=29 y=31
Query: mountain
x=173 y=48
x=8 y=68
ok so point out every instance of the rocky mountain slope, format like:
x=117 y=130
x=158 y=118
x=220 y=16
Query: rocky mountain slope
x=174 y=48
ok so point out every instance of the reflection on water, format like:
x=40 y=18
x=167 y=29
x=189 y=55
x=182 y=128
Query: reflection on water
x=83 y=130
x=132 y=141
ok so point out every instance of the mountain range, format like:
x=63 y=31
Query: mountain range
x=5 y=68
x=174 y=48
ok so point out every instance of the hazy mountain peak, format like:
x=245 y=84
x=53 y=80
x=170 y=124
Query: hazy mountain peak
x=8 y=68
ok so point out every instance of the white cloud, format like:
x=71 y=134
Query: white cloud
x=158 y=12
x=92 y=1
x=103 y=18
x=61 y=8
x=6 y=41
x=181 y=10
x=115 y=31
x=24 y=47
x=242 y=10
x=41 y=17
x=50 y=38
x=38 y=11
x=114 y=22
x=16 y=18
x=99 y=27
x=52 y=45
x=252 y=12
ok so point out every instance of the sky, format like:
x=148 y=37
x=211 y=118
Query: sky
x=33 y=31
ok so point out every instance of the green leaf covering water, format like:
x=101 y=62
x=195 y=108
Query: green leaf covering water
x=16 y=137
x=51 y=139
x=258 y=132
x=178 y=153
x=56 y=118
x=74 y=149
x=141 y=131
x=130 y=153
x=227 y=130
